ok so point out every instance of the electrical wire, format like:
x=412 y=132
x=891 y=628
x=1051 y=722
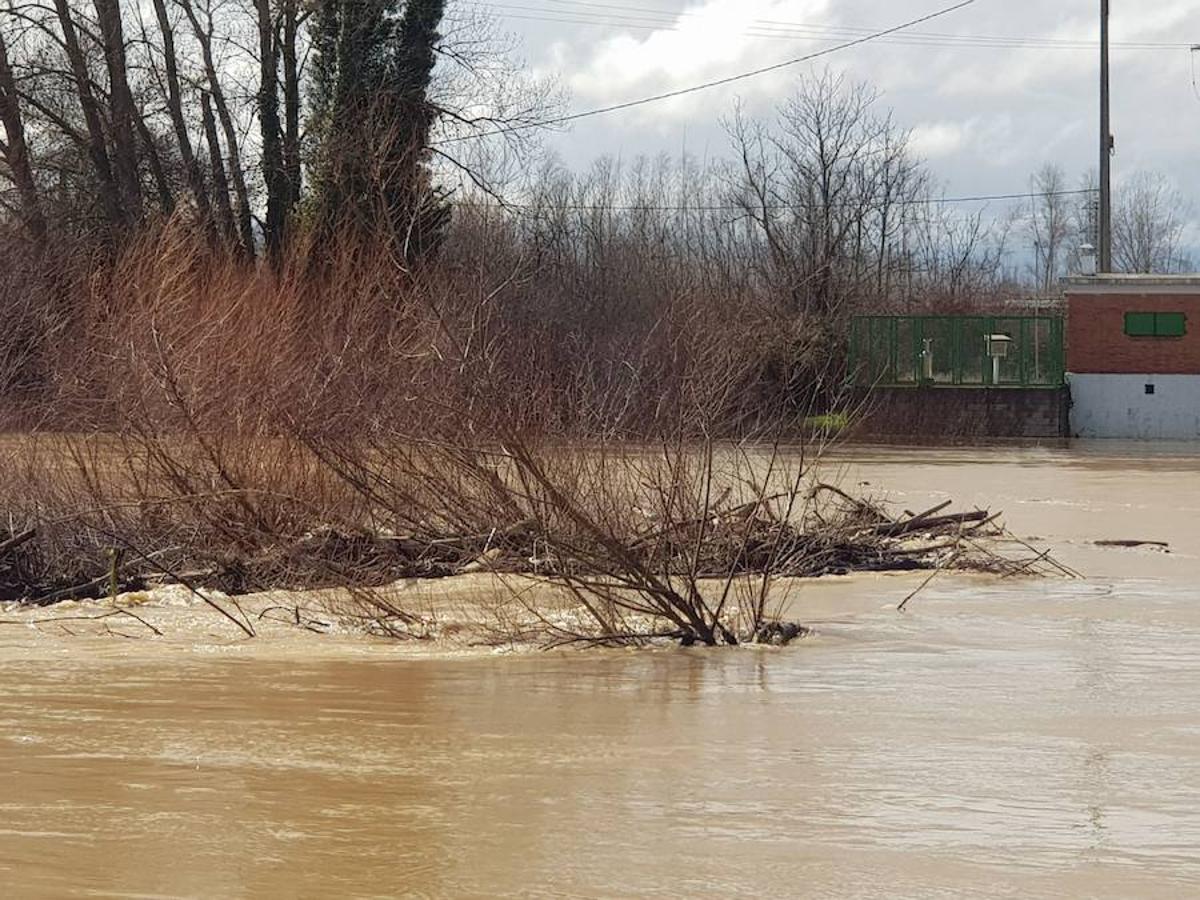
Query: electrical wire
x=741 y=76
x=641 y=18
x=732 y=207
x=864 y=38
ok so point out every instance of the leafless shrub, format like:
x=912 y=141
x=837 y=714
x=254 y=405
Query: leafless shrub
x=346 y=424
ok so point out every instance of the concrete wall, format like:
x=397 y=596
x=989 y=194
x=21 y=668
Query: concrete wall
x=1097 y=343
x=965 y=412
x=1118 y=406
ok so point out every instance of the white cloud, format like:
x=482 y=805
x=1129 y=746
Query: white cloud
x=706 y=42
x=985 y=117
x=931 y=140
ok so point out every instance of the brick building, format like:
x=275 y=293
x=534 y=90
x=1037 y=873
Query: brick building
x=1133 y=356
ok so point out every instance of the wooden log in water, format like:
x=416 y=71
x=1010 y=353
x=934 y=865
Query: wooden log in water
x=929 y=524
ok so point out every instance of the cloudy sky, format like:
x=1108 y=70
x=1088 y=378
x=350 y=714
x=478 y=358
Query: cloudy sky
x=991 y=92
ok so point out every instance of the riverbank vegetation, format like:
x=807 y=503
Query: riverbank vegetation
x=351 y=324
x=244 y=429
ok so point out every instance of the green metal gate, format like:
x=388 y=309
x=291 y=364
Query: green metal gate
x=952 y=351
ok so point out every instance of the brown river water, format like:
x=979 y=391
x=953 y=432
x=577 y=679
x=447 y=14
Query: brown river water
x=1020 y=738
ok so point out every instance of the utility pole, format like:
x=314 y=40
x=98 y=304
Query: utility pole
x=1104 y=266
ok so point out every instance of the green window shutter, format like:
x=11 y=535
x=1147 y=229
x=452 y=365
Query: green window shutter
x=1163 y=325
x=1139 y=324
x=1170 y=325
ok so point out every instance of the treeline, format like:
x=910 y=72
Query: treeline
x=825 y=210
x=252 y=132
x=1149 y=225
x=278 y=139
x=243 y=116
x=188 y=158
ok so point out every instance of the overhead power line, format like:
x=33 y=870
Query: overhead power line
x=647 y=19
x=778 y=207
x=863 y=38
x=741 y=76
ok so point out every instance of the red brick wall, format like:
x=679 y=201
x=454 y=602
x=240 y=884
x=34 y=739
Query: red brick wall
x=1097 y=343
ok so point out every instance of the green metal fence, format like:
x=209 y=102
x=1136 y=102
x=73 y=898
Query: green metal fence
x=955 y=351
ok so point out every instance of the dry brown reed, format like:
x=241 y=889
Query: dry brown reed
x=344 y=421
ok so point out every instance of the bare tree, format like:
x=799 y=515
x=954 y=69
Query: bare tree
x=1085 y=221
x=204 y=33
x=96 y=143
x=224 y=209
x=1050 y=226
x=957 y=256
x=174 y=99
x=292 y=19
x=826 y=188
x=124 y=115
x=1148 y=223
x=15 y=151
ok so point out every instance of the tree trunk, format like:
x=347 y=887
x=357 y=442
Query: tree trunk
x=245 y=227
x=274 y=173
x=187 y=155
x=291 y=103
x=224 y=211
x=16 y=152
x=110 y=197
x=166 y=195
x=123 y=119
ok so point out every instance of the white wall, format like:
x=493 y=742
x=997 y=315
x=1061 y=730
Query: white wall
x=1117 y=406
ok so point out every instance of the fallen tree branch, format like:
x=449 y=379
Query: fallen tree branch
x=17 y=541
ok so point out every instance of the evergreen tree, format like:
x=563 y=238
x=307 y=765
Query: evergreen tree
x=372 y=116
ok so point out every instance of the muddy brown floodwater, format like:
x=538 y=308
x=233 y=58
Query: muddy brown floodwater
x=1002 y=738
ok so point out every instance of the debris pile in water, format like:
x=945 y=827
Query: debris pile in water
x=835 y=534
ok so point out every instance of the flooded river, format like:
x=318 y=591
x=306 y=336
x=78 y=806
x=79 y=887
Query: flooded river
x=1001 y=738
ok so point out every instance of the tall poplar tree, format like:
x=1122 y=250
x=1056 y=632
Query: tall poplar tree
x=372 y=68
